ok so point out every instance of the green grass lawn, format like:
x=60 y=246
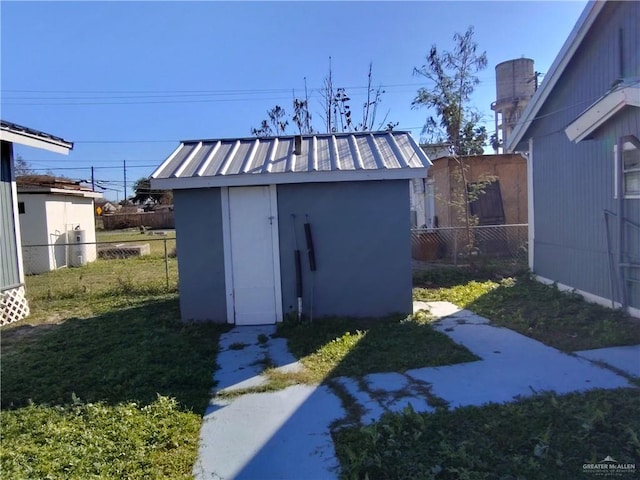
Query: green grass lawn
x=560 y=319
x=545 y=437
x=352 y=347
x=89 y=289
x=103 y=381
x=95 y=440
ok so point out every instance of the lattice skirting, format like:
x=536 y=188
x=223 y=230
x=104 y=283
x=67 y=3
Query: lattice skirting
x=14 y=305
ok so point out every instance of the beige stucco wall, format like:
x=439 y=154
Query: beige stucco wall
x=509 y=169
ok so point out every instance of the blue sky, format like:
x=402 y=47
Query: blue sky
x=128 y=80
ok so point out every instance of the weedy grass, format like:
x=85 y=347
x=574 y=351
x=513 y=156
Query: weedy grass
x=542 y=437
x=143 y=377
x=81 y=441
x=355 y=347
x=560 y=319
x=96 y=287
x=131 y=353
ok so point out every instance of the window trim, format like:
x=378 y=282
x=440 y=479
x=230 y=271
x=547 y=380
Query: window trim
x=619 y=170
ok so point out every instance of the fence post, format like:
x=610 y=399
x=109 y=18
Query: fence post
x=166 y=263
x=455 y=247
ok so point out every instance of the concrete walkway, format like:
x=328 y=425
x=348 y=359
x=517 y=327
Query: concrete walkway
x=286 y=434
x=271 y=435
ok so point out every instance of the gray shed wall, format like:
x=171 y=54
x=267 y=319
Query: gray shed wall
x=198 y=216
x=361 y=234
x=574 y=183
x=9 y=273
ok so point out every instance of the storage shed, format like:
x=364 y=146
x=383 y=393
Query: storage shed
x=57 y=223
x=311 y=224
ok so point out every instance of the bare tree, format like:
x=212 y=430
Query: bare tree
x=22 y=167
x=276 y=125
x=452 y=78
x=337 y=113
x=301 y=115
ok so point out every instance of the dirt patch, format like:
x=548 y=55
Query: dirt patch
x=20 y=334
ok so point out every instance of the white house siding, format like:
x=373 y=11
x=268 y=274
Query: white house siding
x=422 y=203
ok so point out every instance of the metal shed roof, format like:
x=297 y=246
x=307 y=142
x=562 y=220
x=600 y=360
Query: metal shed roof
x=292 y=159
x=12 y=132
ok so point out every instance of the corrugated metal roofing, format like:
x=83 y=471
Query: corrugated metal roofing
x=321 y=157
x=14 y=132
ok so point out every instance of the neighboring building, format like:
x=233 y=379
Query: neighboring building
x=504 y=200
x=241 y=209
x=13 y=301
x=104 y=206
x=54 y=213
x=423 y=214
x=438 y=201
x=580 y=134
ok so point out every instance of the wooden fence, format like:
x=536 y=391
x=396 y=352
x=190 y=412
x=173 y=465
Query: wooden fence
x=115 y=221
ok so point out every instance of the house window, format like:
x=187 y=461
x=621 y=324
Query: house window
x=631 y=170
x=21 y=207
x=628 y=168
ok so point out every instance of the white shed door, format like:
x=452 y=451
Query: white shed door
x=252 y=258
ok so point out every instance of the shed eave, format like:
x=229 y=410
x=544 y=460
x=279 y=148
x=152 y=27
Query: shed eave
x=287 y=178
x=601 y=111
x=26 y=190
x=29 y=140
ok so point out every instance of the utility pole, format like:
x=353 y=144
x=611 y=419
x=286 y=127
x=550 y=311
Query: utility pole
x=93 y=181
x=535 y=79
x=124 y=164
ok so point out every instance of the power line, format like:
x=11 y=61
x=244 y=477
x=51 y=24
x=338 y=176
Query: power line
x=88 y=167
x=141 y=97
x=91 y=161
x=250 y=91
x=400 y=128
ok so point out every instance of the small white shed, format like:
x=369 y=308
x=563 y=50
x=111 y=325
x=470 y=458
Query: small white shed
x=57 y=223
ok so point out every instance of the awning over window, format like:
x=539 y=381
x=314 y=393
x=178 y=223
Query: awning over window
x=601 y=111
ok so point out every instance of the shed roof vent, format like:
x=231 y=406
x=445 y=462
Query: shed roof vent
x=297 y=145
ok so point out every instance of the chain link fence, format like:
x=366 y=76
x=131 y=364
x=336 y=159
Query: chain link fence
x=133 y=263
x=459 y=245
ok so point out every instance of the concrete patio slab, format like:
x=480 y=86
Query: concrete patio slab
x=387 y=382
x=275 y=435
x=286 y=434
x=437 y=309
x=244 y=357
x=511 y=366
x=372 y=408
x=626 y=359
